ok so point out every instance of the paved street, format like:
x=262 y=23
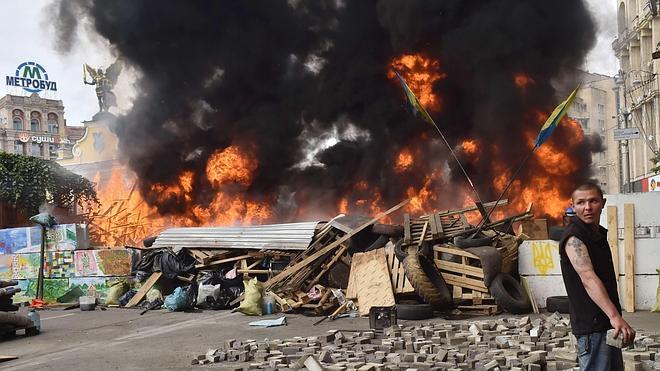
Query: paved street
x=121 y=339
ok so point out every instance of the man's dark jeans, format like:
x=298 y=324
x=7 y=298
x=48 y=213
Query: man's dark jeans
x=595 y=355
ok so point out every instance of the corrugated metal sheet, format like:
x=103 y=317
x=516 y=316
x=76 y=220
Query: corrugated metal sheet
x=291 y=236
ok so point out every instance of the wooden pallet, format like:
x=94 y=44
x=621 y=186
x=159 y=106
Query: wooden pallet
x=400 y=284
x=466 y=272
x=476 y=297
x=480 y=310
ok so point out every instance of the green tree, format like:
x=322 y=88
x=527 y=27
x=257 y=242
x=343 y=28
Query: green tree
x=30 y=182
x=656 y=164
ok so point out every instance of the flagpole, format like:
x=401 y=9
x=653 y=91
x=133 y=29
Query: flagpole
x=412 y=99
x=482 y=223
x=458 y=162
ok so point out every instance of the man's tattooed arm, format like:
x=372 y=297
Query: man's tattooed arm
x=578 y=255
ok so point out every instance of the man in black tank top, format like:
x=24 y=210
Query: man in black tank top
x=588 y=273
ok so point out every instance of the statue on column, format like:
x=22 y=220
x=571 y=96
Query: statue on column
x=104 y=82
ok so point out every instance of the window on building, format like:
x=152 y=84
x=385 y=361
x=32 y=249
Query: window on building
x=601 y=108
x=34 y=125
x=584 y=123
x=52 y=123
x=601 y=125
x=52 y=150
x=35 y=149
x=18 y=123
x=19 y=148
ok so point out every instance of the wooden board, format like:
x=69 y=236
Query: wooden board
x=400 y=283
x=613 y=237
x=7 y=358
x=629 y=253
x=151 y=281
x=372 y=280
x=291 y=269
x=351 y=289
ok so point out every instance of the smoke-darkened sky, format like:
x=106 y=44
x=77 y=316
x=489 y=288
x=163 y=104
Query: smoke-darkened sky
x=272 y=76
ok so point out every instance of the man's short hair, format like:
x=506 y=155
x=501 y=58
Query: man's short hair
x=588 y=186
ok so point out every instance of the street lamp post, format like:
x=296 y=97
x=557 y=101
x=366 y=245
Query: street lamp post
x=622 y=122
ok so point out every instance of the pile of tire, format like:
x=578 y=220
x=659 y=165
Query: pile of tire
x=427 y=282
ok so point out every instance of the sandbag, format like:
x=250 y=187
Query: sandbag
x=207 y=293
x=251 y=304
x=115 y=292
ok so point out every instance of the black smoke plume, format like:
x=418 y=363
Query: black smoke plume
x=277 y=76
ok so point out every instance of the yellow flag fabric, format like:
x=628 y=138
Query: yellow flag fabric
x=554 y=119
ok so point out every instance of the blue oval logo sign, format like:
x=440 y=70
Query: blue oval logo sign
x=32 y=77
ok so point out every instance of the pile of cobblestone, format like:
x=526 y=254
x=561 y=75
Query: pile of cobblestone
x=543 y=343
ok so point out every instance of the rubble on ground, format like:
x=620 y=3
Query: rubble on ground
x=542 y=343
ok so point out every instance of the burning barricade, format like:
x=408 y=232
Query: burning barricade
x=347 y=264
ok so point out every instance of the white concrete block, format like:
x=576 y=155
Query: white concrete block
x=544 y=286
x=539 y=257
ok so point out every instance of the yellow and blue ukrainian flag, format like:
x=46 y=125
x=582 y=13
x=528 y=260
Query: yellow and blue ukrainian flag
x=554 y=119
x=415 y=106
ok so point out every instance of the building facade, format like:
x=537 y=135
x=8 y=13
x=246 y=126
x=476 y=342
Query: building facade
x=637 y=47
x=595 y=109
x=33 y=126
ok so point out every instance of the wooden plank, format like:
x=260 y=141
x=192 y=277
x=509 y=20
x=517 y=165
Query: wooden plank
x=298 y=266
x=434 y=226
x=222 y=261
x=421 y=237
x=629 y=253
x=4 y=358
x=351 y=289
x=460 y=268
x=613 y=237
x=148 y=284
x=407 y=233
x=530 y=294
x=372 y=278
x=468 y=283
x=438 y=223
x=454 y=251
x=400 y=283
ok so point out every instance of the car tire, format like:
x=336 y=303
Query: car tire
x=414 y=311
x=557 y=304
x=509 y=294
x=427 y=281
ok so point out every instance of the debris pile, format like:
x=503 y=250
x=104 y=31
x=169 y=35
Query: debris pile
x=543 y=343
x=345 y=264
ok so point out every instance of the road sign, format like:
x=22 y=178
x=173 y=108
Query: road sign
x=626 y=133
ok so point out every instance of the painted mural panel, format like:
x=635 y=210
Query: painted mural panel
x=53 y=289
x=59 y=264
x=111 y=262
x=61 y=237
x=6 y=262
x=93 y=286
x=25 y=266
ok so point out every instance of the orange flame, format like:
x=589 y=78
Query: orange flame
x=523 y=80
x=125 y=218
x=420 y=74
x=404 y=161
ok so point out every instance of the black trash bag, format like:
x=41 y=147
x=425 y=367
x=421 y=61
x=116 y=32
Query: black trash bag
x=124 y=299
x=148 y=261
x=227 y=295
x=209 y=278
x=179 y=264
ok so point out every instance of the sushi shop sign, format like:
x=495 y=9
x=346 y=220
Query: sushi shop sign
x=25 y=138
x=32 y=77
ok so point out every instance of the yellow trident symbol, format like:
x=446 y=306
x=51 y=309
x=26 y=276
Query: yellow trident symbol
x=542 y=257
